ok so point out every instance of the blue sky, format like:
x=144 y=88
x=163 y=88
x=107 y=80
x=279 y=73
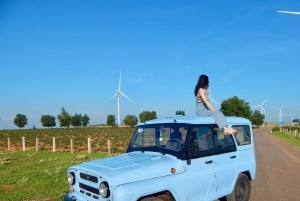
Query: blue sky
x=69 y=54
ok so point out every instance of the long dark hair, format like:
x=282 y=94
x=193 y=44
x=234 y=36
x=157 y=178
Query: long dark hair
x=202 y=83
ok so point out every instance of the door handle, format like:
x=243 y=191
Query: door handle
x=208 y=162
x=232 y=157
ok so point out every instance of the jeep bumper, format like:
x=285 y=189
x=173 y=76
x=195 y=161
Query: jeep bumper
x=71 y=197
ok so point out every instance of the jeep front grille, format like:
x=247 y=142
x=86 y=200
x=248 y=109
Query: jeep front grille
x=89 y=188
x=89 y=185
x=88 y=177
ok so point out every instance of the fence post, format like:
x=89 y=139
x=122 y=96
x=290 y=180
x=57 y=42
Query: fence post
x=8 y=144
x=23 y=143
x=89 y=145
x=71 y=141
x=36 y=144
x=53 y=144
x=108 y=146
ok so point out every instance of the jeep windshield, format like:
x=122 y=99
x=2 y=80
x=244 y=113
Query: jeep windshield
x=164 y=138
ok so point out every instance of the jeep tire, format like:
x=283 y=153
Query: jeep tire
x=151 y=199
x=241 y=190
x=161 y=197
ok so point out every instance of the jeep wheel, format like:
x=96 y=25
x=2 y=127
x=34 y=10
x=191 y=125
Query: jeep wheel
x=151 y=199
x=241 y=191
x=166 y=196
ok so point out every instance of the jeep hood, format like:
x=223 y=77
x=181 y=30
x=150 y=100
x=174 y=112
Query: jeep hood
x=132 y=167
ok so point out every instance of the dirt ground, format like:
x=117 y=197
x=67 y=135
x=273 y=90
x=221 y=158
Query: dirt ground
x=278 y=169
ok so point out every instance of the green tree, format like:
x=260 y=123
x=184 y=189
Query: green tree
x=257 y=118
x=147 y=115
x=85 y=120
x=239 y=107
x=64 y=118
x=76 y=120
x=20 y=120
x=236 y=107
x=180 y=112
x=111 y=120
x=130 y=120
x=48 y=120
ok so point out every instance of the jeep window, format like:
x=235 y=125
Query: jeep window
x=200 y=143
x=242 y=136
x=146 y=137
x=223 y=143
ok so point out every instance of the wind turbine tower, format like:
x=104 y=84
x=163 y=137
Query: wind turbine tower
x=117 y=94
x=280 y=114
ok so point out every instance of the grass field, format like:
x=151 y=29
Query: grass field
x=41 y=175
x=287 y=138
x=37 y=176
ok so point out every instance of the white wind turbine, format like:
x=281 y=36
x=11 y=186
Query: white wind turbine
x=117 y=94
x=261 y=107
x=280 y=114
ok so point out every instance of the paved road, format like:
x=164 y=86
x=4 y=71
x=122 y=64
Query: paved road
x=277 y=170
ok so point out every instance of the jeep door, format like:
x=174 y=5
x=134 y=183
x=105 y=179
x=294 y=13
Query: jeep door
x=201 y=171
x=225 y=163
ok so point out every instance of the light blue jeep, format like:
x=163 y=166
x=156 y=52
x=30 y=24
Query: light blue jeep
x=174 y=158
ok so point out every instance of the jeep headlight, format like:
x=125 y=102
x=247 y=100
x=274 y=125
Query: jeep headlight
x=104 y=190
x=71 y=178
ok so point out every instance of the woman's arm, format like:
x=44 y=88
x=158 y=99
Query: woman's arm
x=202 y=93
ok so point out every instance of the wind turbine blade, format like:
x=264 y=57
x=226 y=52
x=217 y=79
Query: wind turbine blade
x=211 y=99
x=120 y=82
x=114 y=96
x=125 y=96
x=214 y=101
x=288 y=12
